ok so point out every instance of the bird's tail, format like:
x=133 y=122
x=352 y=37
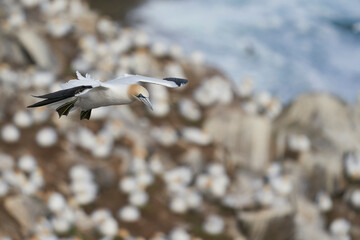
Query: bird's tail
x=58 y=99
x=62 y=106
x=58 y=96
x=45 y=102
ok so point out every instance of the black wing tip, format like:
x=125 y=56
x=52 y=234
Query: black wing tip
x=44 y=102
x=65 y=93
x=178 y=81
x=58 y=95
x=38 y=104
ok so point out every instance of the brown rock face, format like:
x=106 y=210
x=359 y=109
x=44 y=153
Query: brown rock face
x=264 y=224
x=37 y=47
x=8 y=226
x=25 y=210
x=245 y=138
x=326 y=120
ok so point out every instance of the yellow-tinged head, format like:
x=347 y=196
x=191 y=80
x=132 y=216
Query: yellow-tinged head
x=139 y=93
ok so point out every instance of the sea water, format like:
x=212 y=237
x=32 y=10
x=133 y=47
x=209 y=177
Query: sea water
x=286 y=46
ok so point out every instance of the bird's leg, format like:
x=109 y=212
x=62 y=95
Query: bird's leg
x=85 y=114
x=66 y=107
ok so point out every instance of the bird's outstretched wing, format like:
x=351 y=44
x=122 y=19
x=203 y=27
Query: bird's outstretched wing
x=135 y=79
x=81 y=81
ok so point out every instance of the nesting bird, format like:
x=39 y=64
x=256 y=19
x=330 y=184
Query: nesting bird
x=87 y=93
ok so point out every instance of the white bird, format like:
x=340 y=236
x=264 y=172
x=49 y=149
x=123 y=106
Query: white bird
x=87 y=93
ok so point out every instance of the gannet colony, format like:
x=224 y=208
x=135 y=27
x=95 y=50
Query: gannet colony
x=211 y=160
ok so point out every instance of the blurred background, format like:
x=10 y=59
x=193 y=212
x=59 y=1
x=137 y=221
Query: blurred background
x=262 y=143
x=287 y=47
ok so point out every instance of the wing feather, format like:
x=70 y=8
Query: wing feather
x=81 y=81
x=135 y=79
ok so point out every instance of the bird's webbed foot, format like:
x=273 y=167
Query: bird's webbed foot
x=65 y=108
x=85 y=114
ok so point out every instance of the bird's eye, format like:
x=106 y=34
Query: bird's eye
x=140 y=96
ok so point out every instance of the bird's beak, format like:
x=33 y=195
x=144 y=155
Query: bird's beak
x=147 y=102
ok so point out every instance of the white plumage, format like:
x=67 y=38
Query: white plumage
x=87 y=93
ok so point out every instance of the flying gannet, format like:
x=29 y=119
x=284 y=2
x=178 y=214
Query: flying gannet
x=86 y=93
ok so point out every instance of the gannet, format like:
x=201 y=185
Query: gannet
x=86 y=93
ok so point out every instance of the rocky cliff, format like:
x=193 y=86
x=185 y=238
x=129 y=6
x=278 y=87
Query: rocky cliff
x=214 y=160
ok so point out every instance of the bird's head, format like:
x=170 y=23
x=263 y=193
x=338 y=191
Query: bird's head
x=140 y=93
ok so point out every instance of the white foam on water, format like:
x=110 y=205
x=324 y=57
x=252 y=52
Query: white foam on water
x=287 y=47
